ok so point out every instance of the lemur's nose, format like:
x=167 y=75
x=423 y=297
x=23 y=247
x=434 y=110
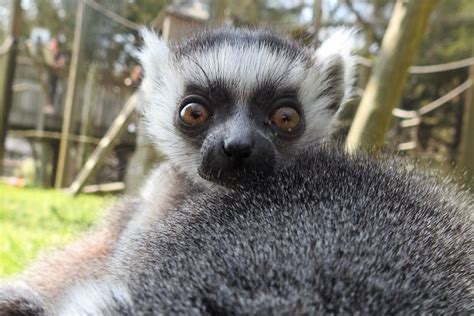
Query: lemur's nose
x=237 y=148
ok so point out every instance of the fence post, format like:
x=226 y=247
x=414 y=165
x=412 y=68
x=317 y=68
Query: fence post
x=69 y=102
x=86 y=117
x=7 y=72
x=466 y=149
x=317 y=17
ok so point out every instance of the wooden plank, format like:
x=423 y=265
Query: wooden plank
x=104 y=188
x=53 y=135
x=70 y=93
x=7 y=72
x=106 y=144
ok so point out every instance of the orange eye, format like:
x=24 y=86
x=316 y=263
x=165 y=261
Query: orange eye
x=194 y=115
x=286 y=119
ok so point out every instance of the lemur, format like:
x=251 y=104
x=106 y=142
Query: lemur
x=219 y=105
x=222 y=106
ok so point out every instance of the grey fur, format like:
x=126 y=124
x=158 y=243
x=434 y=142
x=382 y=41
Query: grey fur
x=18 y=299
x=330 y=234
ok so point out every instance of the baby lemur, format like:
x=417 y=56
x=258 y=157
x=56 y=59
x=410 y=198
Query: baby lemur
x=225 y=107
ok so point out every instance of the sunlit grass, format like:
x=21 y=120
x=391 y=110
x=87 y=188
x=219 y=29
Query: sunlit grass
x=33 y=220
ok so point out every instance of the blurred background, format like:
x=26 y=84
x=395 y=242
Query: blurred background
x=70 y=135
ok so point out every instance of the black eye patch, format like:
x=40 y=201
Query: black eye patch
x=268 y=94
x=216 y=92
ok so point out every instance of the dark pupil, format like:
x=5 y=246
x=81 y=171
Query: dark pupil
x=286 y=117
x=195 y=113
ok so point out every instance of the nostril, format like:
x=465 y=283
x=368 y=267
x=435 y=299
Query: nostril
x=244 y=151
x=237 y=150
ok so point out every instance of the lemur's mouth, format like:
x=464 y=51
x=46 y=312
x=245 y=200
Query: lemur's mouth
x=233 y=175
x=204 y=175
x=221 y=177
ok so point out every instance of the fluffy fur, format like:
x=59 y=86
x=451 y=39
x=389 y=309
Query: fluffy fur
x=330 y=234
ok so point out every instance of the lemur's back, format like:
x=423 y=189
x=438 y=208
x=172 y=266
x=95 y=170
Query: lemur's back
x=330 y=234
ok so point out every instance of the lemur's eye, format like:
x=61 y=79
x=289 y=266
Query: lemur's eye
x=286 y=119
x=194 y=115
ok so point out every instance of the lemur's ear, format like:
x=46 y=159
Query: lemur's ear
x=335 y=63
x=154 y=53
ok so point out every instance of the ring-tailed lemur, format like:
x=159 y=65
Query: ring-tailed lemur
x=221 y=106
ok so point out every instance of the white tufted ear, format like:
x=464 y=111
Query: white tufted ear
x=161 y=88
x=154 y=49
x=153 y=55
x=336 y=65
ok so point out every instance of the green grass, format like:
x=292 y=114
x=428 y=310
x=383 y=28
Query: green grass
x=35 y=220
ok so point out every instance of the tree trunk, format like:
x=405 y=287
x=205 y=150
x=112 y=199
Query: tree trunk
x=385 y=86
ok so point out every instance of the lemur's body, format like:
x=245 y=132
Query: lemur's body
x=328 y=234
x=220 y=106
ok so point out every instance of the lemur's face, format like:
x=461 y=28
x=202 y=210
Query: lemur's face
x=226 y=103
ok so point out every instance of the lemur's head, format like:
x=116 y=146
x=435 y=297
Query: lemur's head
x=226 y=102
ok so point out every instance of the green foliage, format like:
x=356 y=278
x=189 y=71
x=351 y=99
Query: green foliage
x=33 y=220
x=450 y=36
